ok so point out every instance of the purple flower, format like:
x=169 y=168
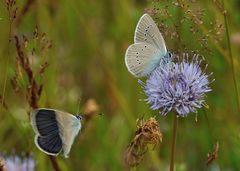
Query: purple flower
x=179 y=86
x=16 y=163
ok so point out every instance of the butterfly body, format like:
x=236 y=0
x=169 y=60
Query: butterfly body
x=148 y=50
x=154 y=62
x=55 y=130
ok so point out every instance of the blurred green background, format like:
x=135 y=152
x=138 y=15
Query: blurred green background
x=89 y=39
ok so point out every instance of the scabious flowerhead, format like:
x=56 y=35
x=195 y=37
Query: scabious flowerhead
x=178 y=86
x=19 y=164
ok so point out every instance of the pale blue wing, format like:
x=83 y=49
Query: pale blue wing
x=69 y=127
x=148 y=32
x=142 y=58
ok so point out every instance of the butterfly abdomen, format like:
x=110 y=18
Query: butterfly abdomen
x=154 y=62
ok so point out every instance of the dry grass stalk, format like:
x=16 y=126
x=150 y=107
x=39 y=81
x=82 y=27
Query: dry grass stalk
x=24 y=11
x=25 y=67
x=3 y=102
x=12 y=13
x=213 y=155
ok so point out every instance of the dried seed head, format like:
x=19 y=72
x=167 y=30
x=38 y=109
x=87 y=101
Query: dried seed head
x=43 y=67
x=2 y=166
x=26 y=66
x=12 y=10
x=35 y=33
x=91 y=108
x=148 y=132
x=192 y=17
x=25 y=41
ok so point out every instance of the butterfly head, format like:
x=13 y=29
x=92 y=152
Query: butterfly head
x=80 y=117
x=167 y=58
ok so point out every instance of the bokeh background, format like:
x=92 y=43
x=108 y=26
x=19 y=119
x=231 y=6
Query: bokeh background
x=85 y=57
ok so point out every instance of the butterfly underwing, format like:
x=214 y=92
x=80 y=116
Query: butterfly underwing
x=55 y=130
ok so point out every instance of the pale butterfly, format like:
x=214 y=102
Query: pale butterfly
x=149 y=49
x=55 y=130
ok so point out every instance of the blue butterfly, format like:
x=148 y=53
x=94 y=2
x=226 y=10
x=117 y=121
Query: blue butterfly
x=55 y=130
x=149 y=49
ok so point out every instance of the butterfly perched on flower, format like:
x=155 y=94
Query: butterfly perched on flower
x=149 y=49
x=55 y=130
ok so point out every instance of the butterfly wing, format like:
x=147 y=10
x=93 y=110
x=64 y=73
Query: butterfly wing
x=45 y=125
x=55 y=130
x=142 y=58
x=148 y=32
x=51 y=144
x=69 y=126
x=148 y=49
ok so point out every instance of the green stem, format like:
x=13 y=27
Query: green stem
x=174 y=137
x=231 y=57
x=8 y=58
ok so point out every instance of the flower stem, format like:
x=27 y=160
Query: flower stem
x=54 y=163
x=231 y=56
x=174 y=137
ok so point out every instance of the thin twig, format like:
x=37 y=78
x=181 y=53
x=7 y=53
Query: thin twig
x=24 y=11
x=54 y=163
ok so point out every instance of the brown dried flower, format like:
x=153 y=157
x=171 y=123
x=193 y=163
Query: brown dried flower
x=148 y=132
x=91 y=108
x=2 y=166
x=12 y=10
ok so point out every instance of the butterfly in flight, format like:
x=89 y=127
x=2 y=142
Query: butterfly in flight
x=149 y=49
x=55 y=130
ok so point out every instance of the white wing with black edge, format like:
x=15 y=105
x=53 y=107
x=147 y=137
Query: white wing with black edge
x=55 y=130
